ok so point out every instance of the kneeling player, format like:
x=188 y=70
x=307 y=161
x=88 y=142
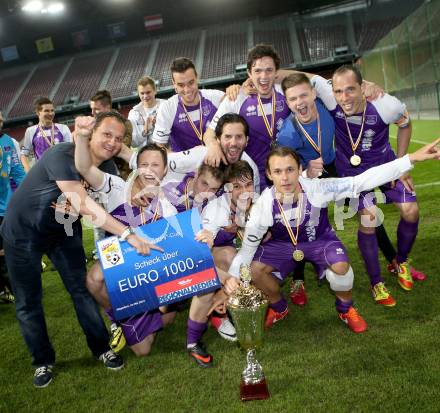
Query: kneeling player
x=295 y=211
x=134 y=203
x=225 y=217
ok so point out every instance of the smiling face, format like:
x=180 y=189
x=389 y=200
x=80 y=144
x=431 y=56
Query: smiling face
x=301 y=101
x=233 y=140
x=205 y=186
x=263 y=72
x=46 y=114
x=147 y=95
x=107 y=138
x=242 y=192
x=151 y=168
x=186 y=86
x=348 y=93
x=284 y=172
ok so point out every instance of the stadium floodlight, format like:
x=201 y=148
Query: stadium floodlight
x=33 y=6
x=54 y=8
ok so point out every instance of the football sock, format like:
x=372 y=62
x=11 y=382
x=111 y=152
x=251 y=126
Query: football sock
x=194 y=331
x=368 y=246
x=406 y=235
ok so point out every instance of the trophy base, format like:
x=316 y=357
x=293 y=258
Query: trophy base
x=256 y=391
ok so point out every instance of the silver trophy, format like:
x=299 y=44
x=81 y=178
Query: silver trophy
x=248 y=307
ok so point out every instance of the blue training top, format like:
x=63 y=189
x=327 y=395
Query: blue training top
x=290 y=135
x=10 y=167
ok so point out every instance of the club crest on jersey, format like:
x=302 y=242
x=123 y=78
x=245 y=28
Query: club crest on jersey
x=182 y=117
x=279 y=106
x=206 y=110
x=370 y=119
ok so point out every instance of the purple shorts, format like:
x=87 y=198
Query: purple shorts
x=399 y=194
x=138 y=327
x=323 y=252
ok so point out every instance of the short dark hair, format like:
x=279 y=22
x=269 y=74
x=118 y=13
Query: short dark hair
x=182 y=64
x=217 y=173
x=239 y=170
x=231 y=118
x=40 y=101
x=103 y=96
x=263 y=50
x=112 y=114
x=295 y=79
x=349 y=68
x=153 y=147
x=282 y=151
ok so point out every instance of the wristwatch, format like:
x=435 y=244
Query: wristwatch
x=127 y=232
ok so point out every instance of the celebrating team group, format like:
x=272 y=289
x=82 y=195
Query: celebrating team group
x=261 y=163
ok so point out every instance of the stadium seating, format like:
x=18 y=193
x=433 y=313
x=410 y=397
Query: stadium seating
x=83 y=77
x=322 y=39
x=369 y=33
x=10 y=84
x=185 y=44
x=276 y=32
x=40 y=84
x=225 y=48
x=129 y=67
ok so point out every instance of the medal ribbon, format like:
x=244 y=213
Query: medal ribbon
x=318 y=147
x=52 y=138
x=271 y=128
x=198 y=132
x=354 y=145
x=187 y=206
x=293 y=237
x=155 y=216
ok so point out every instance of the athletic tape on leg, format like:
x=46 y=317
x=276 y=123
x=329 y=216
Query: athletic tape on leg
x=340 y=282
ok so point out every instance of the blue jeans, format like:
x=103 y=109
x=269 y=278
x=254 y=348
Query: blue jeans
x=25 y=272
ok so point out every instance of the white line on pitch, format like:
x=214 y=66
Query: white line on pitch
x=428 y=184
x=412 y=140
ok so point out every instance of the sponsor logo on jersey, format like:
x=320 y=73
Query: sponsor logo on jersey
x=251 y=110
x=370 y=119
x=369 y=133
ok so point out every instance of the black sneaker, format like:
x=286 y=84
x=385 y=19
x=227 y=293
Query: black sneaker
x=43 y=376
x=112 y=360
x=199 y=354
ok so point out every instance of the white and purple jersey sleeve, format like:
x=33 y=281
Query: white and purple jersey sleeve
x=321 y=192
x=216 y=214
x=111 y=193
x=184 y=162
x=26 y=143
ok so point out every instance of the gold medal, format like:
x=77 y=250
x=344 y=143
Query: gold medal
x=298 y=255
x=355 y=160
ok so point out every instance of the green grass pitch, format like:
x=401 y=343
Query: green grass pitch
x=312 y=362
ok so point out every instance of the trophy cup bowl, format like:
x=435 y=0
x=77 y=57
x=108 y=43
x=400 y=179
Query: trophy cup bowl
x=248 y=307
